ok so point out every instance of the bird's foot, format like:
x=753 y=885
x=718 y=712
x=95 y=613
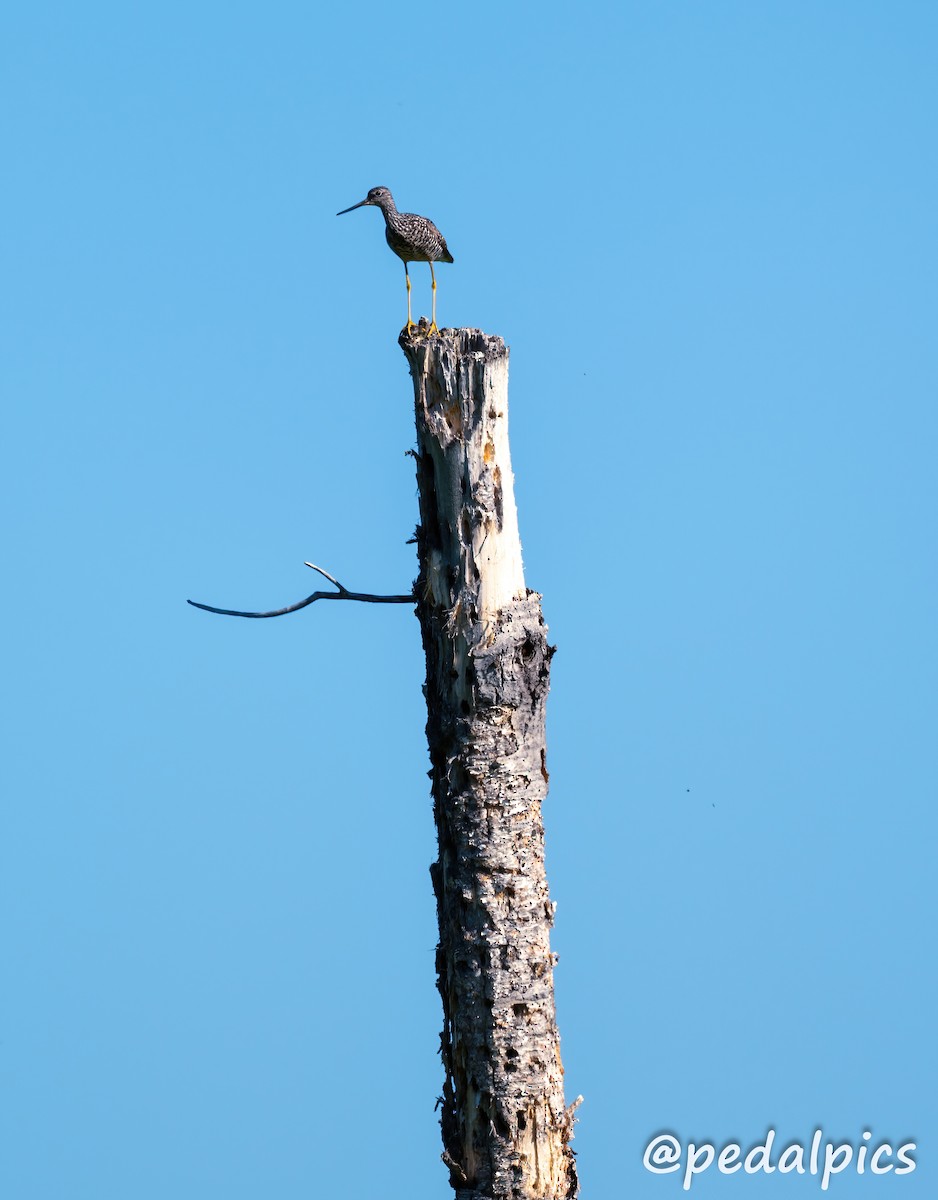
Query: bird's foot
x=421 y=328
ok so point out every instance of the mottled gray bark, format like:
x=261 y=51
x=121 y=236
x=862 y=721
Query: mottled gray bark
x=506 y=1130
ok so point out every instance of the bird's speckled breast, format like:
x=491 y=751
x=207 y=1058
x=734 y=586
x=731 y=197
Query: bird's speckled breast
x=415 y=239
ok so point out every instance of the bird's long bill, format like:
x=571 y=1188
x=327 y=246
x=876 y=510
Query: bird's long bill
x=358 y=205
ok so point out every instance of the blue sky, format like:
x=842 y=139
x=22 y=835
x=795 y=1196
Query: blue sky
x=708 y=233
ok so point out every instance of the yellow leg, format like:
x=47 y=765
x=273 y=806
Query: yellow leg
x=433 y=328
x=410 y=323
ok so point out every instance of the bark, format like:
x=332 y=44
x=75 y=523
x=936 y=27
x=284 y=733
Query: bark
x=506 y=1129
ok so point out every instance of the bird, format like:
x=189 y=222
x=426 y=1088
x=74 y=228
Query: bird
x=412 y=238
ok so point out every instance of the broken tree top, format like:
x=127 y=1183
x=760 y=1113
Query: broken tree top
x=468 y=513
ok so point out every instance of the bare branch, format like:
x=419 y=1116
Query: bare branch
x=326 y=575
x=342 y=594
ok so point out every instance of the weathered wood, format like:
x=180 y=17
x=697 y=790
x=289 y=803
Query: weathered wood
x=506 y=1130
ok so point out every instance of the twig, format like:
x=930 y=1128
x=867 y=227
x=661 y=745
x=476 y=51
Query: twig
x=342 y=594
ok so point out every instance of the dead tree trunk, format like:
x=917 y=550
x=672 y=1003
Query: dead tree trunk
x=506 y=1130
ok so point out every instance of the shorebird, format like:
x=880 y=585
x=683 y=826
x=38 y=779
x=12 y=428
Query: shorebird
x=412 y=238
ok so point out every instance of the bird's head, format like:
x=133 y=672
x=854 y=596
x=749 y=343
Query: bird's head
x=380 y=197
